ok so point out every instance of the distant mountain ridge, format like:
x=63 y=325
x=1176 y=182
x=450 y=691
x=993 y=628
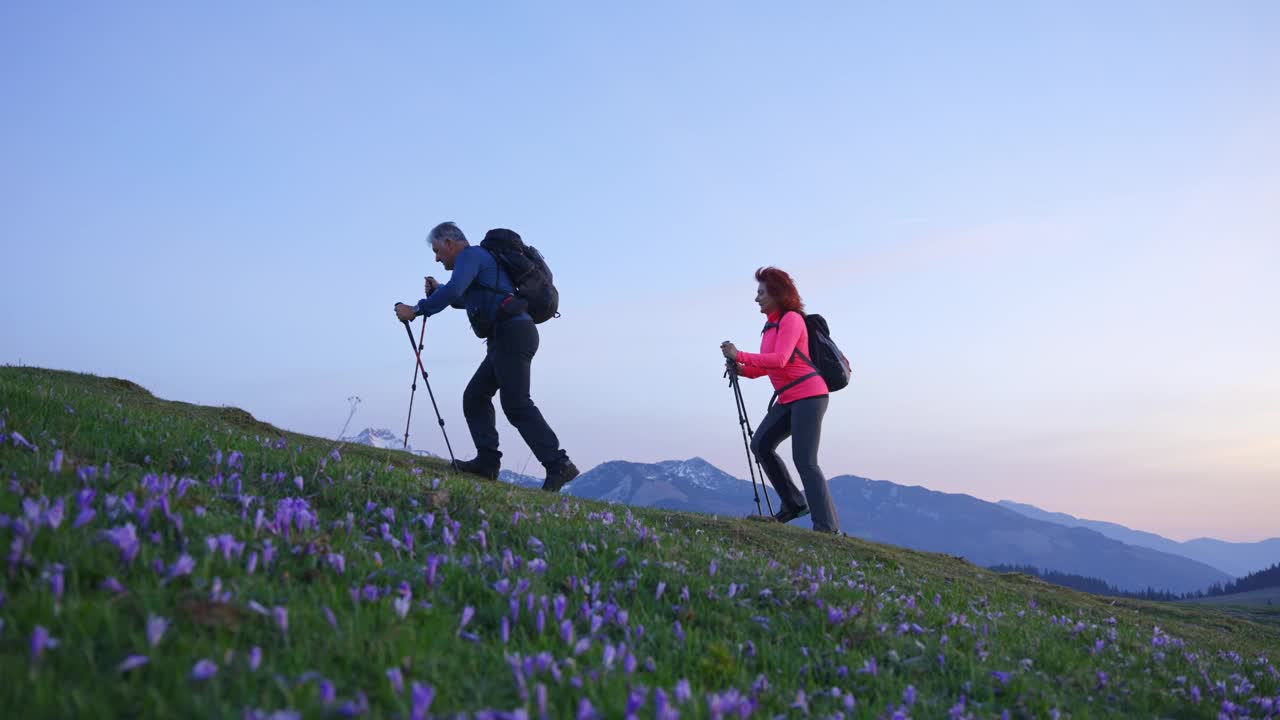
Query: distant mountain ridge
x=985 y=533
x=914 y=517
x=1234 y=558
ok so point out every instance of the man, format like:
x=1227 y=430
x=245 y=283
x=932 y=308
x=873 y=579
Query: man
x=481 y=287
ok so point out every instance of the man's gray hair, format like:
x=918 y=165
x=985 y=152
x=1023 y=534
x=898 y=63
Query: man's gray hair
x=445 y=231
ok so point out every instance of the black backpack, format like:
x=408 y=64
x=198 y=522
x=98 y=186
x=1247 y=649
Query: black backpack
x=535 y=292
x=827 y=359
x=827 y=362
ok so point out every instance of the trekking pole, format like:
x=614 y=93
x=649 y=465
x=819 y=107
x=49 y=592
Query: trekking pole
x=414 y=387
x=731 y=372
x=427 y=381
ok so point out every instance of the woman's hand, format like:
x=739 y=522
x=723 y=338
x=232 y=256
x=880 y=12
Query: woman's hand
x=730 y=352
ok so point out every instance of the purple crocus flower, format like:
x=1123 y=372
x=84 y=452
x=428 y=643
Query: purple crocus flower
x=204 y=670
x=1003 y=677
x=586 y=711
x=327 y=692
x=40 y=640
x=683 y=692
x=131 y=662
x=255 y=658
x=422 y=697
x=328 y=614
x=467 y=613
x=57 y=580
x=113 y=585
x=19 y=441
x=397 y=680
x=84 y=517
x=55 y=465
x=610 y=652
x=281 y=615
x=182 y=566
x=125 y=538
x=156 y=627
x=661 y=709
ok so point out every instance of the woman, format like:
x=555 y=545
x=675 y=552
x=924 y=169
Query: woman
x=801 y=401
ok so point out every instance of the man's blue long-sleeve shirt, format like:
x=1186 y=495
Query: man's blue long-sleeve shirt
x=478 y=285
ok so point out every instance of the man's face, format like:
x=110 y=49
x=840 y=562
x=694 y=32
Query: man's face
x=446 y=252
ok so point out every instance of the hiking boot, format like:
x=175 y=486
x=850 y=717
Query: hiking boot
x=479 y=466
x=560 y=477
x=786 y=515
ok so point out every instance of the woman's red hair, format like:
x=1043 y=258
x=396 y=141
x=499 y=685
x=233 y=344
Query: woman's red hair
x=781 y=288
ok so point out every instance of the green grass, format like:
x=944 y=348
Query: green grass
x=771 y=612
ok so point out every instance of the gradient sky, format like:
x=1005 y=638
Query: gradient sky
x=1047 y=234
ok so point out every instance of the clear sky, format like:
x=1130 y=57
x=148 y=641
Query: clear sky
x=1047 y=234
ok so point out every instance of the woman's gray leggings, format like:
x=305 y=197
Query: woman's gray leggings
x=802 y=420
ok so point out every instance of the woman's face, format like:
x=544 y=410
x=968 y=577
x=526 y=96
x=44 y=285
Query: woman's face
x=765 y=300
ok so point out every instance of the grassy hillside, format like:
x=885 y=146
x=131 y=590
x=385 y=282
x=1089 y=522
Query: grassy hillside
x=1258 y=605
x=164 y=560
x=1264 y=597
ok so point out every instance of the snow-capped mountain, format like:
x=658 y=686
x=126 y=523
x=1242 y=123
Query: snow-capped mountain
x=384 y=439
x=515 y=478
x=379 y=438
x=693 y=484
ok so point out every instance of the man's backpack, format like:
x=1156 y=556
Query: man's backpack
x=827 y=361
x=535 y=292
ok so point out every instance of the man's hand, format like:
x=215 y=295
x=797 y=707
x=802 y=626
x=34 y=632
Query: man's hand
x=405 y=313
x=430 y=286
x=730 y=352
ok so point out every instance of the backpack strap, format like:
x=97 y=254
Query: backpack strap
x=797 y=381
x=497 y=275
x=778 y=393
x=807 y=361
